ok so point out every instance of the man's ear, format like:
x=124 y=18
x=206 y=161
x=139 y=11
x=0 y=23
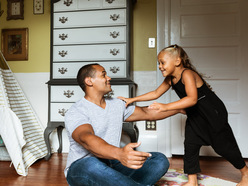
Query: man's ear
x=88 y=81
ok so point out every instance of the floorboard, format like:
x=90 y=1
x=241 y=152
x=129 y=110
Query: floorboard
x=50 y=173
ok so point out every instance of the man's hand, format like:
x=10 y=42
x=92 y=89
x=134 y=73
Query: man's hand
x=160 y=107
x=131 y=158
x=144 y=113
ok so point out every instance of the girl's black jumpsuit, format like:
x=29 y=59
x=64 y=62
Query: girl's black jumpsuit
x=207 y=124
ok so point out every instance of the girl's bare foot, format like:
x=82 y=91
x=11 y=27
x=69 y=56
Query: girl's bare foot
x=244 y=179
x=189 y=184
x=192 y=180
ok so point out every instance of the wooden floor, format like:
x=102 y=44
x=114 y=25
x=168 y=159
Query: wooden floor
x=50 y=173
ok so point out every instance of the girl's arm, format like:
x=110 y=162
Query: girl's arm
x=165 y=85
x=189 y=80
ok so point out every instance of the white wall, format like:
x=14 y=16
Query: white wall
x=146 y=81
x=36 y=91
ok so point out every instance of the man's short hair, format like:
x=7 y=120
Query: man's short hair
x=84 y=72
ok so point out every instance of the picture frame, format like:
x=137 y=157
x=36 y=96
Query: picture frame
x=38 y=7
x=1 y=11
x=15 y=44
x=15 y=9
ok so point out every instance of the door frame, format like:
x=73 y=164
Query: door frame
x=163 y=39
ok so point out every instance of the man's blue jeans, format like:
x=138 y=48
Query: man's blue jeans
x=101 y=172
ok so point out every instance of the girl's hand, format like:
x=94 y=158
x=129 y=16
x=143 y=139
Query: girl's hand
x=127 y=100
x=183 y=111
x=160 y=107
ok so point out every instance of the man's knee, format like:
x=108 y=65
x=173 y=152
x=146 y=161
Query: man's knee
x=83 y=171
x=160 y=160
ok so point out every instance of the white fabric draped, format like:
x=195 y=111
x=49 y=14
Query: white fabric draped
x=20 y=128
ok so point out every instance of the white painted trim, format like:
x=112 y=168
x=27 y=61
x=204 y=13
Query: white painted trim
x=163 y=40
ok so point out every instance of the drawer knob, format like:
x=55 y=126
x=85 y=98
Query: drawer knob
x=62 y=111
x=109 y=1
x=114 y=69
x=109 y=95
x=114 y=34
x=68 y=2
x=114 y=51
x=68 y=93
x=63 y=19
x=114 y=17
x=63 y=36
x=62 y=53
x=62 y=70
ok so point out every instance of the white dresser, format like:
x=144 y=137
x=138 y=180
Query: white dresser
x=83 y=32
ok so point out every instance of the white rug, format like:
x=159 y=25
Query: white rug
x=176 y=177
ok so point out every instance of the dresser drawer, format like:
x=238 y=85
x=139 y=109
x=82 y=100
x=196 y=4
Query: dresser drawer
x=89 y=52
x=60 y=104
x=65 y=93
x=68 y=5
x=89 y=35
x=114 y=69
x=114 y=3
x=90 y=18
x=119 y=90
x=58 y=110
x=73 y=93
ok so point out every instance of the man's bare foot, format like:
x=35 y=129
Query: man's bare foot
x=192 y=180
x=244 y=179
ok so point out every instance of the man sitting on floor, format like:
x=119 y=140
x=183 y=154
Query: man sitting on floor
x=94 y=126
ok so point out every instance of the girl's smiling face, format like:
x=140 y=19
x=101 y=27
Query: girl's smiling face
x=167 y=63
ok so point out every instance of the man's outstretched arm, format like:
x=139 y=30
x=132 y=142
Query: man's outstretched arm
x=144 y=113
x=85 y=136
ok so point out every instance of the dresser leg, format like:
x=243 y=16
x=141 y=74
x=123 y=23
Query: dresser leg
x=132 y=131
x=47 y=133
x=59 y=131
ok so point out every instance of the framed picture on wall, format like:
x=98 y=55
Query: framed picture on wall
x=15 y=44
x=38 y=6
x=15 y=9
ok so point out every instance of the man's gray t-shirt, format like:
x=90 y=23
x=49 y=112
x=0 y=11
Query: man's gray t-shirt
x=106 y=123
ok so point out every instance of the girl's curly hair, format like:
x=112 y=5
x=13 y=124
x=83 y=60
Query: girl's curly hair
x=177 y=50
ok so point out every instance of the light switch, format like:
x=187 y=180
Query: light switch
x=151 y=43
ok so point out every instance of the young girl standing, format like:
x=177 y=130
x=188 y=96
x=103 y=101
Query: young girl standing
x=207 y=118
